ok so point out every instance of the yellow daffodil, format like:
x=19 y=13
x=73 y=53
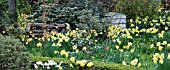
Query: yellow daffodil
x=55 y=52
x=152 y=46
x=71 y=65
x=154 y=21
x=131 y=20
x=168 y=56
x=155 y=60
x=72 y=59
x=121 y=50
x=77 y=51
x=161 y=61
x=58 y=44
x=74 y=47
x=139 y=64
x=164 y=43
x=26 y=43
x=161 y=57
x=160 y=48
x=84 y=48
x=132 y=50
x=90 y=64
x=124 y=63
x=95 y=40
x=39 y=44
x=29 y=39
x=119 y=42
x=160 y=35
x=101 y=33
x=117 y=47
x=166 y=28
x=158 y=44
x=131 y=25
x=78 y=62
x=82 y=64
x=66 y=54
x=53 y=44
x=129 y=44
x=60 y=68
x=62 y=52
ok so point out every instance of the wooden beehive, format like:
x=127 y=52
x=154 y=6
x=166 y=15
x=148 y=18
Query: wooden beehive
x=38 y=29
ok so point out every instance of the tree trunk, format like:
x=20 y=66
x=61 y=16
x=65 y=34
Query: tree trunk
x=12 y=11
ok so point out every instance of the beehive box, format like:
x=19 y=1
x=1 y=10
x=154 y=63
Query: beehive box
x=39 y=29
x=116 y=19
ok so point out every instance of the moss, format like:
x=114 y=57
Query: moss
x=98 y=65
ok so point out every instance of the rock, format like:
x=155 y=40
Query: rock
x=116 y=19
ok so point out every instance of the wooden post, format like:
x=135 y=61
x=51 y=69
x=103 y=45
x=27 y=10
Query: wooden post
x=12 y=11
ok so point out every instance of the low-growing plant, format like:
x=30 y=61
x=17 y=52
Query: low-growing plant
x=13 y=54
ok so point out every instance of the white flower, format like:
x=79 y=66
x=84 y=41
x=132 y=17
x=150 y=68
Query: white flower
x=51 y=62
x=39 y=63
x=46 y=64
x=48 y=67
x=35 y=65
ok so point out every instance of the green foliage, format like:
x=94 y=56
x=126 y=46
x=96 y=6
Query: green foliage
x=81 y=14
x=137 y=8
x=13 y=55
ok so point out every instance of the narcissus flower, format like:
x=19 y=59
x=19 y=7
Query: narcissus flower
x=53 y=44
x=101 y=33
x=166 y=28
x=62 y=52
x=39 y=44
x=161 y=61
x=168 y=45
x=132 y=50
x=160 y=35
x=124 y=63
x=121 y=50
x=74 y=47
x=168 y=56
x=161 y=57
x=117 y=47
x=152 y=46
x=134 y=62
x=160 y=48
x=60 y=68
x=89 y=64
x=131 y=20
x=55 y=52
x=139 y=64
x=72 y=59
x=158 y=44
x=164 y=43
x=77 y=51
x=58 y=44
x=119 y=42
x=84 y=48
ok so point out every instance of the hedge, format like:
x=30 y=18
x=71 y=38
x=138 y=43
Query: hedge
x=98 y=65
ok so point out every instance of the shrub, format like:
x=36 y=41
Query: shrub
x=83 y=14
x=137 y=8
x=13 y=56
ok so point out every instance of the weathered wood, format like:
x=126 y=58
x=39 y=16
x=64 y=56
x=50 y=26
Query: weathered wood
x=38 y=29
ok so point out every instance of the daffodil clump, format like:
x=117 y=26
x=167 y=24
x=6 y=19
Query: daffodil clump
x=144 y=44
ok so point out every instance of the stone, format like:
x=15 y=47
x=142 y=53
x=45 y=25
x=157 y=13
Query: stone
x=116 y=19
